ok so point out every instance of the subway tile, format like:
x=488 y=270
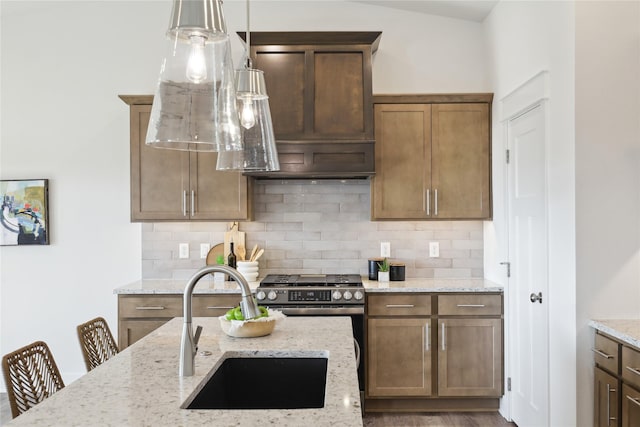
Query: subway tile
x=281 y=207
x=303 y=254
x=468 y=263
x=396 y=226
x=340 y=254
x=284 y=226
x=302 y=235
x=283 y=245
x=321 y=207
x=433 y=263
x=321 y=226
x=339 y=235
x=284 y=263
x=270 y=216
x=467 y=244
x=171 y=226
x=269 y=198
x=157 y=235
x=451 y=272
x=450 y=234
x=426 y=273
x=302 y=216
x=207 y=226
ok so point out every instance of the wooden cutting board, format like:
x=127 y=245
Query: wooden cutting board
x=233 y=235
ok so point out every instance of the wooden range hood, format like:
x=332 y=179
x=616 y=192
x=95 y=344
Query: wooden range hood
x=320 y=95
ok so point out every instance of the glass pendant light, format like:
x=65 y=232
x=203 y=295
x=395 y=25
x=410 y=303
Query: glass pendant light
x=194 y=107
x=258 y=151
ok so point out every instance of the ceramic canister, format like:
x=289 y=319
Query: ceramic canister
x=396 y=272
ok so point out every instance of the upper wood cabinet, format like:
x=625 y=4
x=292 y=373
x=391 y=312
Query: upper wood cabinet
x=320 y=96
x=179 y=185
x=433 y=157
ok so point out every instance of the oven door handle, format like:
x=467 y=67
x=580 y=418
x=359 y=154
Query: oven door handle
x=318 y=311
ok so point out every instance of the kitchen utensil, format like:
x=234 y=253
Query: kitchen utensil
x=259 y=254
x=213 y=254
x=253 y=252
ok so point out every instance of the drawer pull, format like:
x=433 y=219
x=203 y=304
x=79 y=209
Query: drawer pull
x=444 y=338
x=400 y=305
x=635 y=371
x=471 y=305
x=599 y=353
x=151 y=307
x=609 y=417
x=636 y=401
x=214 y=307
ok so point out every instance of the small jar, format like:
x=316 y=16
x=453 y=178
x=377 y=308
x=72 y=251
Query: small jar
x=373 y=268
x=396 y=272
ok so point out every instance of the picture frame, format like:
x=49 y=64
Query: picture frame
x=24 y=213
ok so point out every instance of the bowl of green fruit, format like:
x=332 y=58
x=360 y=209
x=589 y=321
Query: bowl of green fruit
x=234 y=324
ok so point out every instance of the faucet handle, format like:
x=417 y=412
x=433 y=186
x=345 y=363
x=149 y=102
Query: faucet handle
x=196 y=336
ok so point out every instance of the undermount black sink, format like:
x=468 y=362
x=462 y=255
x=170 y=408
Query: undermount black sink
x=265 y=383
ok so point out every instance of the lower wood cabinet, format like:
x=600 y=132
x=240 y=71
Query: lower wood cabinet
x=630 y=407
x=607 y=402
x=139 y=315
x=470 y=357
x=434 y=352
x=399 y=356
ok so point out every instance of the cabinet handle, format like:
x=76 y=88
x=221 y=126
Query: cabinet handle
x=193 y=205
x=444 y=338
x=636 y=401
x=471 y=305
x=599 y=353
x=150 y=307
x=435 y=208
x=609 y=391
x=428 y=201
x=214 y=307
x=635 y=371
x=184 y=203
x=427 y=334
x=400 y=305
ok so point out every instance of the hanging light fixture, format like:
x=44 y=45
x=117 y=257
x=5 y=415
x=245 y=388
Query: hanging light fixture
x=194 y=107
x=258 y=151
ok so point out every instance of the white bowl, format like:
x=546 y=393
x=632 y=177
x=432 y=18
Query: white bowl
x=246 y=264
x=251 y=277
x=251 y=328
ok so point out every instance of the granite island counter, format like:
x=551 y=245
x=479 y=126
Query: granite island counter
x=141 y=387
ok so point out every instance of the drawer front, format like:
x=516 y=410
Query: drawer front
x=470 y=305
x=631 y=366
x=214 y=305
x=150 y=306
x=606 y=353
x=399 y=305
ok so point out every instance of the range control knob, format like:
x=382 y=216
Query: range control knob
x=347 y=295
x=358 y=295
x=336 y=295
x=261 y=295
x=272 y=295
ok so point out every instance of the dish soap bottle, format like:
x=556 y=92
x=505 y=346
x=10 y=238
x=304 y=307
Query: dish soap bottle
x=231 y=259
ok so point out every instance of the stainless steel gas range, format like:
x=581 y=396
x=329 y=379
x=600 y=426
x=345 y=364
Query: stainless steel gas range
x=318 y=295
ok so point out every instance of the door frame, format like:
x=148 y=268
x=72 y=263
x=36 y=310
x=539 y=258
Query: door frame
x=533 y=93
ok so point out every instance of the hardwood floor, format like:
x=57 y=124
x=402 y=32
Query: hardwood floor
x=380 y=420
x=442 y=419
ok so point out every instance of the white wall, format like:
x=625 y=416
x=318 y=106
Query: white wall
x=61 y=119
x=607 y=174
x=525 y=38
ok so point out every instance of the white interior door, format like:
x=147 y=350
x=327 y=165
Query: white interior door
x=528 y=285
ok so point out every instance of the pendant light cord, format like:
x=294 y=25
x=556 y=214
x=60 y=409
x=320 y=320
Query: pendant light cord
x=248 y=63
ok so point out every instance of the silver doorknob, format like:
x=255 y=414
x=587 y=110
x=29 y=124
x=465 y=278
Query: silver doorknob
x=536 y=297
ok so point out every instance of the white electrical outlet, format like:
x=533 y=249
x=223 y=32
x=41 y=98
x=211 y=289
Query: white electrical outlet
x=434 y=249
x=385 y=249
x=204 y=250
x=183 y=250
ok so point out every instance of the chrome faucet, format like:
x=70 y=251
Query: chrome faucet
x=189 y=343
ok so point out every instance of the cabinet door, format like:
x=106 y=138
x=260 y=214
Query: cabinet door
x=398 y=357
x=131 y=330
x=470 y=357
x=461 y=163
x=216 y=195
x=630 y=407
x=606 y=392
x=403 y=162
x=159 y=177
x=179 y=185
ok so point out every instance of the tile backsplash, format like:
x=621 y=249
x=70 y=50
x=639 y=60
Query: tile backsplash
x=316 y=227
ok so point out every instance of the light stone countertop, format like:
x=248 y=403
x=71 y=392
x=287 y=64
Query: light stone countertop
x=208 y=286
x=626 y=330
x=141 y=387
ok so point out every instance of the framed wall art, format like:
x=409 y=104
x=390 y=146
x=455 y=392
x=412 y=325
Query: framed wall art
x=25 y=212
